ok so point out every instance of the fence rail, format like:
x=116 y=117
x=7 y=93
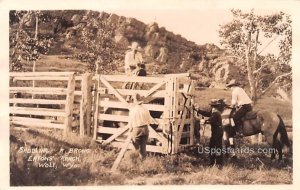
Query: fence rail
x=27 y=109
x=97 y=105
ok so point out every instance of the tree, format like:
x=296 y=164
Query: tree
x=95 y=34
x=25 y=41
x=246 y=33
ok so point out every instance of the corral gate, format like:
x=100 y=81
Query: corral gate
x=97 y=105
x=168 y=98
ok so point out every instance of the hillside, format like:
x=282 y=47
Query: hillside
x=74 y=32
x=90 y=38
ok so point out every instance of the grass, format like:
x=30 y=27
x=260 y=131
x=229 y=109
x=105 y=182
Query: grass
x=282 y=108
x=187 y=168
x=58 y=63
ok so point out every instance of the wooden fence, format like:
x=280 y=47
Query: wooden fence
x=45 y=99
x=96 y=105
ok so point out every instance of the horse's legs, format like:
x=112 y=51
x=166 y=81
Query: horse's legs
x=273 y=153
x=279 y=149
x=232 y=146
x=225 y=142
x=274 y=147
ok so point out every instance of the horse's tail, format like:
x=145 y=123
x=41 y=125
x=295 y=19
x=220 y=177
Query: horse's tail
x=283 y=133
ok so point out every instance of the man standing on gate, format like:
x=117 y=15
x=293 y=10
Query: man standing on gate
x=215 y=120
x=139 y=120
x=240 y=100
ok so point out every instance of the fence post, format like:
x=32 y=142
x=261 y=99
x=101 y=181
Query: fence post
x=96 y=107
x=69 y=104
x=192 y=123
x=86 y=105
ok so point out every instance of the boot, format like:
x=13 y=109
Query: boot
x=239 y=132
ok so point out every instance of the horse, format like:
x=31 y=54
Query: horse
x=268 y=123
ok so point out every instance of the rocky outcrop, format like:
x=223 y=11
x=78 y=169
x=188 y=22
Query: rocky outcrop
x=163 y=55
x=159 y=44
x=169 y=51
x=151 y=51
x=134 y=29
x=121 y=41
x=224 y=71
x=151 y=32
x=203 y=66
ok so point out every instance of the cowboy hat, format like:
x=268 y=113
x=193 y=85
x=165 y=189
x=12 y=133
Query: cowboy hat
x=232 y=83
x=217 y=102
x=135 y=46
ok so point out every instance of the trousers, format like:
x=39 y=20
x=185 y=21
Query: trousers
x=215 y=146
x=139 y=136
x=241 y=112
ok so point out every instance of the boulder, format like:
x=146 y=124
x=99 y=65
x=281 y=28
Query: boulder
x=70 y=33
x=163 y=55
x=152 y=27
x=203 y=65
x=225 y=71
x=93 y=14
x=121 y=41
x=221 y=71
x=113 y=19
x=76 y=19
x=133 y=32
x=151 y=51
x=103 y=15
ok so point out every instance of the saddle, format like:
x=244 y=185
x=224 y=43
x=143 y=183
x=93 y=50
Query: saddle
x=246 y=129
x=250 y=115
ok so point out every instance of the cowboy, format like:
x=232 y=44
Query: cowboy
x=215 y=120
x=240 y=100
x=139 y=120
x=133 y=59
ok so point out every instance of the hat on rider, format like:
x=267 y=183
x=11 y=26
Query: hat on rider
x=232 y=83
x=135 y=46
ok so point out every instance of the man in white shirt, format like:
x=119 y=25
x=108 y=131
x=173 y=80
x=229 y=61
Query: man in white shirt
x=240 y=100
x=133 y=59
x=139 y=120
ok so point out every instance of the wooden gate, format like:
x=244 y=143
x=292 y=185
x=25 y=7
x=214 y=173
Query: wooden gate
x=168 y=98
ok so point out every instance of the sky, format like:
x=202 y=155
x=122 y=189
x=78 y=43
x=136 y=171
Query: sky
x=199 y=26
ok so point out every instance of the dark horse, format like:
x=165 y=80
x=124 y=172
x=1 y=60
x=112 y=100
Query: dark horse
x=268 y=123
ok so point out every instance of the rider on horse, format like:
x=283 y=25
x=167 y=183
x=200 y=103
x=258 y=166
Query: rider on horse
x=241 y=101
